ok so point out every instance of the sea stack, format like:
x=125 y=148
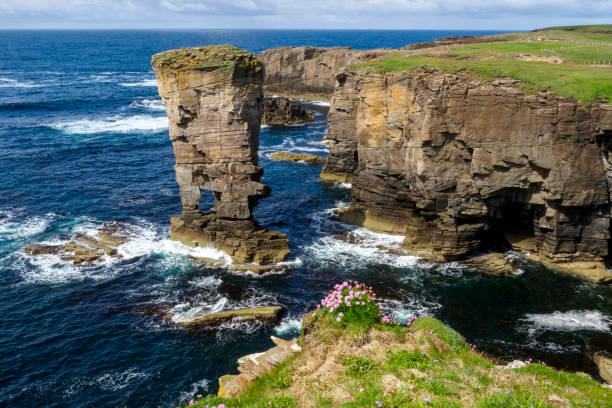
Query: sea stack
x=214 y=102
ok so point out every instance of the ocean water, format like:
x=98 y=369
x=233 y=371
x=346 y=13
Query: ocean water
x=83 y=141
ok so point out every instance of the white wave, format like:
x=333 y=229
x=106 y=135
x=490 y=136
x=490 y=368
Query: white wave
x=12 y=83
x=146 y=82
x=296 y=146
x=153 y=104
x=197 y=387
x=115 y=381
x=320 y=103
x=410 y=306
x=11 y=229
x=264 y=126
x=574 y=320
x=344 y=185
x=114 y=124
x=289 y=326
x=148 y=244
x=354 y=246
x=206 y=282
x=51 y=269
x=185 y=312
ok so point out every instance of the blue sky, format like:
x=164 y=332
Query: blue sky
x=333 y=14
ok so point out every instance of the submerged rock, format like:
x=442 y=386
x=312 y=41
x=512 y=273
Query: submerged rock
x=267 y=313
x=281 y=111
x=85 y=249
x=495 y=263
x=297 y=157
x=214 y=101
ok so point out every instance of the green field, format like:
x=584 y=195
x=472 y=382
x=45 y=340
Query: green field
x=575 y=62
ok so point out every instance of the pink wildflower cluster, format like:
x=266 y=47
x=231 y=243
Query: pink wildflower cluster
x=351 y=293
x=199 y=396
x=348 y=296
x=410 y=321
x=353 y=300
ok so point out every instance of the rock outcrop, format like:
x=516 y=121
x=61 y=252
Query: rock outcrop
x=281 y=111
x=309 y=69
x=457 y=164
x=85 y=250
x=256 y=365
x=297 y=157
x=265 y=313
x=214 y=99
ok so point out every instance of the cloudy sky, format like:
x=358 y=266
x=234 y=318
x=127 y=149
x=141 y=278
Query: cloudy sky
x=335 y=14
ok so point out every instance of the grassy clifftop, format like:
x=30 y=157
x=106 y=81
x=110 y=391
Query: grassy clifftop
x=352 y=356
x=571 y=61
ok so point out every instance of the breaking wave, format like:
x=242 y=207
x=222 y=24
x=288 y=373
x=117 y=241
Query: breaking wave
x=146 y=82
x=152 y=104
x=574 y=320
x=114 y=124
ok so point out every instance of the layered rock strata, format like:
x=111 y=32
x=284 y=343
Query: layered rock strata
x=310 y=69
x=281 y=111
x=214 y=99
x=458 y=164
x=297 y=157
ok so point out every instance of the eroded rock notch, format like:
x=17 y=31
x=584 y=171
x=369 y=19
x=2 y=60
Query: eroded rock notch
x=214 y=98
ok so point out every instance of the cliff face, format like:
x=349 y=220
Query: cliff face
x=457 y=164
x=309 y=69
x=280 y=111
x=214 y=99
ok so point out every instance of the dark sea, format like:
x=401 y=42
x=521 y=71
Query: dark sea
x=84 y=141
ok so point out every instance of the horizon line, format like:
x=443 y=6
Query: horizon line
x=263 y=29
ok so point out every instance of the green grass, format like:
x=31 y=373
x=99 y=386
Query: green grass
x=205 y=58
x=371 y=364
x=588 y=28
x=584 y=74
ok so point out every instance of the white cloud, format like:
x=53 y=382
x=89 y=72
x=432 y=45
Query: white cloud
x=502 y=14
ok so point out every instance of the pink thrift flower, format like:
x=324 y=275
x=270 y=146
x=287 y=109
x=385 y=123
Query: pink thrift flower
x=190 y=402
x=340 y=314
x=221 y=406
x=338 y=319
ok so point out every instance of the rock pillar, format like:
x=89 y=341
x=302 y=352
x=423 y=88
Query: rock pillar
x=213 y=97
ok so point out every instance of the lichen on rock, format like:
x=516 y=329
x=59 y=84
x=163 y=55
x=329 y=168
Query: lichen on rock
x=214 y=99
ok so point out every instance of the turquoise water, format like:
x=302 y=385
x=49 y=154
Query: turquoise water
x=83 y=141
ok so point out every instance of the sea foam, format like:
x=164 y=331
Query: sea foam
x=574 y=320
x=152 y=104
x=146 y=82
x=114 y=124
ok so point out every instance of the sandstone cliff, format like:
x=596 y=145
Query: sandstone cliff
x=214 y=98
x=458 y=164
x=281 y=111
x=309 y=69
